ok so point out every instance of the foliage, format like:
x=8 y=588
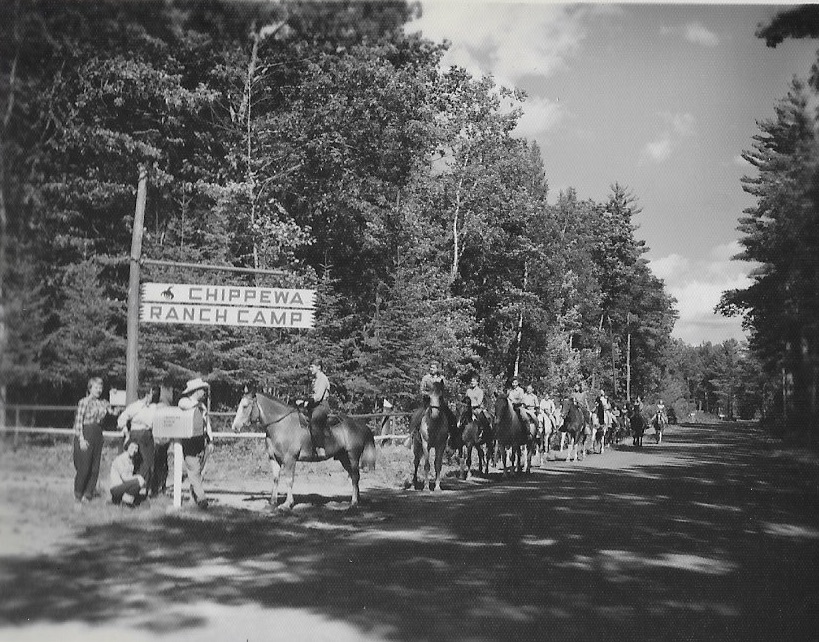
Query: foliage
x=320 y=140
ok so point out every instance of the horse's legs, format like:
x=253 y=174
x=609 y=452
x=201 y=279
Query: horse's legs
x=289 y=469
x=562 y=439
x=426 y=465
x=350 y=464
x=439 y=461
x=275 y=466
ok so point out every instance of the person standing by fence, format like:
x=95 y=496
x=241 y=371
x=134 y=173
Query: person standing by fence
x=91 y=410
x=195 y=449
x=140 y=415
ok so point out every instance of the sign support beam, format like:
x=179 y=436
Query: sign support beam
x=131 y=355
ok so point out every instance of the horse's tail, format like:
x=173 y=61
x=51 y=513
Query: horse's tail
x=367 y=460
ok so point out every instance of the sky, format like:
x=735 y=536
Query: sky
x=660 y=98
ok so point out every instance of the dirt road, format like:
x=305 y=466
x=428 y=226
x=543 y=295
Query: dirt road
x=712 y=536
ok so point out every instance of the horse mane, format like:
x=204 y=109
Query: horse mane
x=273 y=409
x=502 y=405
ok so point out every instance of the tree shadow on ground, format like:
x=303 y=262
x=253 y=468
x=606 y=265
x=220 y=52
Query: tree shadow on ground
x=704 y=537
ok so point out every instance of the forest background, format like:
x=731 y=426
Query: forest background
x=322 y=140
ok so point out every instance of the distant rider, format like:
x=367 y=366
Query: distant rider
x=318 y=407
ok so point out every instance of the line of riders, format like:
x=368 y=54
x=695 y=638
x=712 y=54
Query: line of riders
x=520 y=421
x=605 y=422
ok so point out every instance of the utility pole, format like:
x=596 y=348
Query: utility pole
x=628 y=357
x=613 y=370
x=131 y=355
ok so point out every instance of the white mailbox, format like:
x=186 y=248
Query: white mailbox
x=175 y=423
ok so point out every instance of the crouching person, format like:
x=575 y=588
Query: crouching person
x=126 y=487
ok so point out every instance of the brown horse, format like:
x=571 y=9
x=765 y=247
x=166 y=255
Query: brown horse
x=513 y=432
x=288 y=441
x=433 y=434
x=474 y=432
x=577 y=426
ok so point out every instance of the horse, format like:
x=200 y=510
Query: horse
x=547 y=426
x=638 y=425
x=576 y=426
x=601 y=426
x=659 y=421
x=512 y=432
x=620 y=425
x=433 y=433
x=474 y=432
x=288 y=441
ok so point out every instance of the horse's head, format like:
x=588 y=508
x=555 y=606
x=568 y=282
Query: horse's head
x=437 y=392
x=466 y=415
x=247 y=412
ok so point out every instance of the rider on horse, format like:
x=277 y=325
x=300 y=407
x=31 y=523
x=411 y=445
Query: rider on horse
x=475 y=395
x=579 y=398
x=521 y=401
x=661 y=411
x=318 y=407
x=428 y=382
x=603 y=409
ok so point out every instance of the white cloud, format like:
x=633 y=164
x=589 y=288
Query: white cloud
x=698 y=286
x=508 y=40
x=681 y=124
x=699 y=35
x=677 y=127
x=658 y=150
x=540 y=115
x=667 y=266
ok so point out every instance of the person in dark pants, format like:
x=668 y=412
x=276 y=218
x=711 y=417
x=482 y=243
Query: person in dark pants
x=136 y=422
x=318 y=407
x=127 y=487
x=195 y=449
x=91 y=410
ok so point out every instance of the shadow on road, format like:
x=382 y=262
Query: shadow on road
x=705 y=537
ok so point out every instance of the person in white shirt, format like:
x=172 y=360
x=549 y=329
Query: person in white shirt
x=136 y=423
x=195 y=449
x=318 y=407
x=125 y=486
x=530 y=405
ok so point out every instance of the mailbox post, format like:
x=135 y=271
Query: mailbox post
x=177 y=424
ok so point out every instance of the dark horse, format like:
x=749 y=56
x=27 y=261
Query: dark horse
x=576 y=425
x=513 y=432
x=473 y=433
x=638 y=424
x=433 y=433
x=288 y=441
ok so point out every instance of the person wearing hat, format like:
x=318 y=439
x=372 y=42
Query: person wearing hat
x=125 y=486
x=318 y=407
x=195 y=449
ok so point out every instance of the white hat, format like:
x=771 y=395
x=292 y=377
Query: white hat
x=193 y=385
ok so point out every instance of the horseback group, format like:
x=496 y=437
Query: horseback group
x=519 y=426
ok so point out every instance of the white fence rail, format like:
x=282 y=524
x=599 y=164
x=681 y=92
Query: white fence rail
x=19 y=427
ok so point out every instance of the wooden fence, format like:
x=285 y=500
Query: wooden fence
x=57 y=420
